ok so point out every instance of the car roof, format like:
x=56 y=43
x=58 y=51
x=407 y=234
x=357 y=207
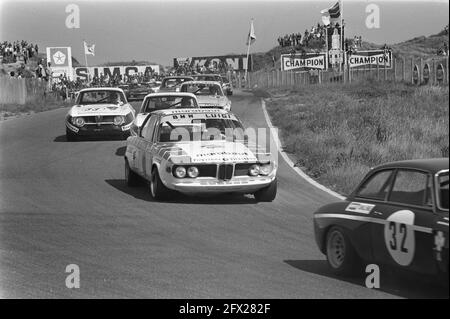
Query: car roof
x=178 y=77
x=432 y=165
x=189 y=111
x=180 y=94
x=209 y=74
x=107 y=88
x=201 y=82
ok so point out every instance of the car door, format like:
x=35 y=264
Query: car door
x=148 y=146
x=402 y=231
x=144 y=139
x=368 y=199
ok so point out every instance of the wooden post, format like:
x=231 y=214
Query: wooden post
x=412 y=70
x=433 y=82
x=394 y=61
x=421 y=71
x=403 y=69
x=378 y=72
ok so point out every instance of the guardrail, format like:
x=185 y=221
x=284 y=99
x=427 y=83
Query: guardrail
x=415 y=71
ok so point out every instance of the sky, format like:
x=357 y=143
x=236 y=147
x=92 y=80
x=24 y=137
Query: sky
x=157 y=31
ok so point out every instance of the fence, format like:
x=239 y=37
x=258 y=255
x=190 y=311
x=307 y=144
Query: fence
x=19 y=91
x=416 y=71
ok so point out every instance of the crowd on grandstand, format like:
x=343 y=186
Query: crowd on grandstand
x=12 y=51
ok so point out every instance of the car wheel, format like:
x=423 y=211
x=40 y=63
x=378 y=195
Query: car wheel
x=70 y=137
x=131 y=177
x=157 y=189
x=341 y=255
x=267 y=194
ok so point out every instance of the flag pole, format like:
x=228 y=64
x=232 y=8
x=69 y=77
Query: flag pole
x=342 y=32
x=248 y=49
x=85 y=60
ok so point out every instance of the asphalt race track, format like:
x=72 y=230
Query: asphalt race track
x=67 y=203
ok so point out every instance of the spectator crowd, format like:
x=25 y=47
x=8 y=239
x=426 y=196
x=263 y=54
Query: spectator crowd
x=12 y=51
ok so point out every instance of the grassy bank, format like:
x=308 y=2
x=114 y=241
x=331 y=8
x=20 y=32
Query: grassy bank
x=336 y=133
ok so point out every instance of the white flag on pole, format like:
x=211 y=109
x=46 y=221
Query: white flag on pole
x=89 y=49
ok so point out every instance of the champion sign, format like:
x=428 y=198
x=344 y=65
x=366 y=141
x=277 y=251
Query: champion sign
x=367 y=58
x=303 y=62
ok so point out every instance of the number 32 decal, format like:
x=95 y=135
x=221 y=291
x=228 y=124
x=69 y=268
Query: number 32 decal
x=399 y=236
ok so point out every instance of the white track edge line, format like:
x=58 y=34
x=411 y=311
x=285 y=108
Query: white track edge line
x=291 y=163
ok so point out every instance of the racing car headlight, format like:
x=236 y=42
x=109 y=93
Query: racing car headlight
x=119 y=120
x=78 y=121
x=265 y=169
x=180 y=172
x=192 y=172
x=254 y=170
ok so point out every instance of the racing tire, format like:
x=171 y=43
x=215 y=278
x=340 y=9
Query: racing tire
x=341 y=255
x=157 y=189
x=70 y=137
x=268 y=193
x=131 y=177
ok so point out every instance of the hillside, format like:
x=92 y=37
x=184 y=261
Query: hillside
x=419 y=47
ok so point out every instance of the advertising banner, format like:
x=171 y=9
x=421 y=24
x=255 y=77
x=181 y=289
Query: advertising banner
x=364 y=59
x=303 y=61
x=112 y=71
x=60 y=59
x=237 y=62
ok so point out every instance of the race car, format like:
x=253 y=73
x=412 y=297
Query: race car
x=209 y=94
x=172 y=83
x=190 y=151
x=226 y=85
x=161 y=101
x=102 y=111
x=397 y=216
x=137 y=91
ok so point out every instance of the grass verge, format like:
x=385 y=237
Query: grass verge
x=336 y=132
x=34 y=105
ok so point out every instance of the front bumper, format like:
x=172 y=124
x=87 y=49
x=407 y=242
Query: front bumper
x=208 y=185
x=100 y=130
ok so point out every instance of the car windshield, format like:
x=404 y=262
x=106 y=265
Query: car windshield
x=443 y=190
x=101 y=96
x=168 y=102
x=185 y=128
x=173 y=82
x=202 y=89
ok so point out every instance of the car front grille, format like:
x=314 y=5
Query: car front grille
x=107 y=119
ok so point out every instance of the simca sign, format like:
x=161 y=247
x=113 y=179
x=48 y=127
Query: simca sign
x=112 y=71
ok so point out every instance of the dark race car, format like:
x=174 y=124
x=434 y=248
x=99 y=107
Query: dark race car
x=397 y=216
x=137 y=91
x=173 y=83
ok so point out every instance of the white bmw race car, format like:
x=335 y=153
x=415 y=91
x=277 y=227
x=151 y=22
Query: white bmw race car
x=99 y=112
x=189 y=151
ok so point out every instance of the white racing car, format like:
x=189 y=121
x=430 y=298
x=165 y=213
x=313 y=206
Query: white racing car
x=209 y=94
x=162 y=101
x=99 y=112
x=189 y=150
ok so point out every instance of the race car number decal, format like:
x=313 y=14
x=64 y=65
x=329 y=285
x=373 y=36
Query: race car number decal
x=399 y=236
x=361 y=208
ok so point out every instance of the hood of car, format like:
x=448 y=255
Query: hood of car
x=217 y=151
x=211 y=100
x=99 y=109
